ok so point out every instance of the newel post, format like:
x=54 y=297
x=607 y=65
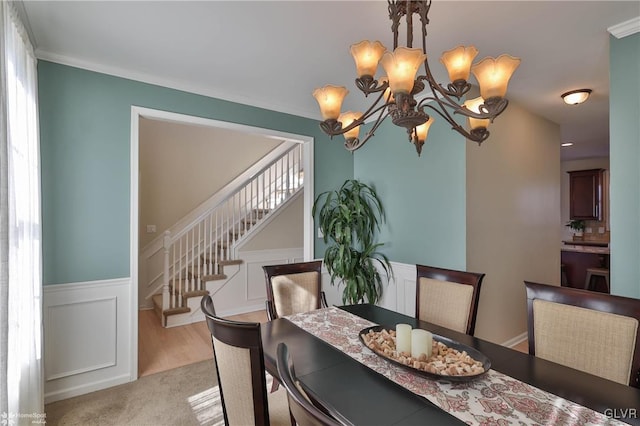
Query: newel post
x=165 y=286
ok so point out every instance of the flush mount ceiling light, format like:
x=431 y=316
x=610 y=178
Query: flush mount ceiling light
x=576 y=97
x=396 y=92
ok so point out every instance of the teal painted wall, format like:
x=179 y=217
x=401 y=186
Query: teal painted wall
x=424 y=197
x=624 y=152
x=85 y=148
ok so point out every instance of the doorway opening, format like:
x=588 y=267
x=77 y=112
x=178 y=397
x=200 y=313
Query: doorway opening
x=140 y=239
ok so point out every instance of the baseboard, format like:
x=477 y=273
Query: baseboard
x=516 y=340
x=85 y=388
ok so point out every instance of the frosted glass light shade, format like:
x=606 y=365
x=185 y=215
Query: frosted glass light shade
x=474 y=105
x=458 y=62
x=493 y=75
x=423 y=129
x=401 y=67
x=346 y=118
x=330 y=100
x=367 y=54
x=576 y=97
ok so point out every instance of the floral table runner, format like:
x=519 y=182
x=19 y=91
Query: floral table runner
x=493 y=399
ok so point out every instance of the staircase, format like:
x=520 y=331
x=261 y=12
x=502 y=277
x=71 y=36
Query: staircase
x=195 y=257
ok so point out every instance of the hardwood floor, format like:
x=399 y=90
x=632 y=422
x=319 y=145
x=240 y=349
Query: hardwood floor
x=161 y=349
x=522 y=347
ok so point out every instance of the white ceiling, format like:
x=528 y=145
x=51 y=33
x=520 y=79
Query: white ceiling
x=274 y=53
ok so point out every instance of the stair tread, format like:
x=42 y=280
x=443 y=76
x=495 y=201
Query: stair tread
x=175 y=311
x=230 y=262
x=214 y=277
x=195 y=293
x=157 y=301
x=208 y=258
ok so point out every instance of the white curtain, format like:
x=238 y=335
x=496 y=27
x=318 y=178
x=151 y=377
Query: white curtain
x=21 y=375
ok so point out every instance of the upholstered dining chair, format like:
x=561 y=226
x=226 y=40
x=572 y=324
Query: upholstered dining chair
x=293 y=288
x=303 y=411
x=447 y=297
x=590 y=331
x=239 y=360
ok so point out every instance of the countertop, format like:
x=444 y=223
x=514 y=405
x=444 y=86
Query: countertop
x=587 y=243
x=584 y=249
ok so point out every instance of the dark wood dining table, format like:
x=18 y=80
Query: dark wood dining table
x=362 y=396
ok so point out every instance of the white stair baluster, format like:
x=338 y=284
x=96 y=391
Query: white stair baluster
x=198 y=249
x=244 y=211
x=189 y=249
x=226 y=232
x=289 y=175
x=198 y=256
x=209 y=245
x=215 y=246
x=165 y=286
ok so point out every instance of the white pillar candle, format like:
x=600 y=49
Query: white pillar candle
x=403 y=338
x=420 y=343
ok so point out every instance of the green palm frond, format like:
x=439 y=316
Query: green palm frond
x=349 y=218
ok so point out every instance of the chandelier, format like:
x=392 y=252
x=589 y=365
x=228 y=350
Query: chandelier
x=398 y=90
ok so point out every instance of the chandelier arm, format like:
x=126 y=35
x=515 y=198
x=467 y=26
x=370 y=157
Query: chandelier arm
x=330 y=127
x=458 y=109
x=460 y=89
x=373 y=109
x=367 y=85
x=476 y=136
x=442 y=110
x=384 y=113
x=370 y=112
x=355 y=143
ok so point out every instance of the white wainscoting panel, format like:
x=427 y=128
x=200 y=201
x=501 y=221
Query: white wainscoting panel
x=66 y=331
x=398 y=292
x=255 y=260
x=87 y=335
x=247 y=290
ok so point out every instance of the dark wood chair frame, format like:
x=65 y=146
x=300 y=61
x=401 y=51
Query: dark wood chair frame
x=242 y=335
x=303 y=412
x=597 y=301
x=287 y=269
x=468 y=278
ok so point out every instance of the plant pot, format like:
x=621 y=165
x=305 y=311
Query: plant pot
x=578 y=236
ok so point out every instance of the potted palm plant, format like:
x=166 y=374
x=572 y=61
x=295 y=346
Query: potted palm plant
x=349 y=218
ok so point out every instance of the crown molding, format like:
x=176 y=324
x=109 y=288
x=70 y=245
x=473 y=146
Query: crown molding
x=168 y=83
x=625 y=28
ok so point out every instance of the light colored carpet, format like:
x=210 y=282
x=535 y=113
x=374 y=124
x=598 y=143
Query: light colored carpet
x=183 y=396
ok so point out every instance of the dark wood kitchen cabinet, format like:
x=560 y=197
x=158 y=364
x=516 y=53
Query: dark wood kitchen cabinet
x=585 y=189
x=576 y=264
